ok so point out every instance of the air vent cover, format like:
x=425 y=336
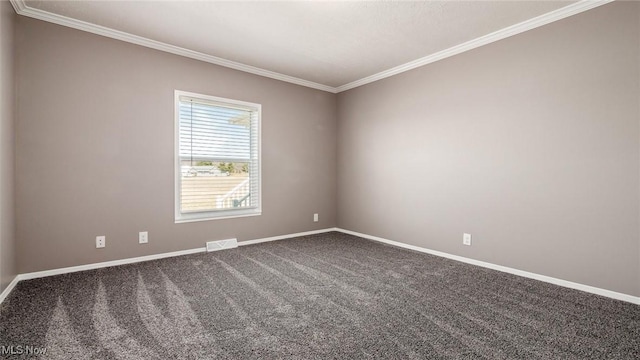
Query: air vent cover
x=222 y=244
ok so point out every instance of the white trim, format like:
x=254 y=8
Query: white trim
x=530 y=275
x=59 y=271
x=18 y=5
x=512 y=30
x=288 y=236
x=93 y=266
x=548 y=279
x=575 y=8
x=22 y=9
x=186 y=221
x=9 y=288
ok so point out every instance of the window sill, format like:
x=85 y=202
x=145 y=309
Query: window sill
x=187 y=218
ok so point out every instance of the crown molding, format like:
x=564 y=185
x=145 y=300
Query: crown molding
x=18 y=5
x=512 y=30
x=22 y=9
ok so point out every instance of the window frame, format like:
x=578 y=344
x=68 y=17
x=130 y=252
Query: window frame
x=186 y=217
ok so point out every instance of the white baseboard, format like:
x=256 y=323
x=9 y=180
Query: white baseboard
x=548 y=279
x=71 y=269
x=288 y=236
x=530 y=275
x=8 y=289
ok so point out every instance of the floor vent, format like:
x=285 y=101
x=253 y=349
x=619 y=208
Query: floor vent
x=222 y=244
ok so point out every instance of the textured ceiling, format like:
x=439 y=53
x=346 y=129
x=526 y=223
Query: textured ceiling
x=330 y=43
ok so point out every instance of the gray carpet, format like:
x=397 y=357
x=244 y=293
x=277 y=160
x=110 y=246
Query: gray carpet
x=323 y=296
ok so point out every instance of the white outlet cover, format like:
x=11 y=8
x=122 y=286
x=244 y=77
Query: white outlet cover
x=466 y=239
x=315 y=217
x=101 y=241
x=143 y=237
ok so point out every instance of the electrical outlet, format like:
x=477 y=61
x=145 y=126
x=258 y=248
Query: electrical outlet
x=101 y=241
x=466 y=239
x=143 y=237
x=315 y=217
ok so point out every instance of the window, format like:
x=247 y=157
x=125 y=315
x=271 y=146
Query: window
x=217 y=157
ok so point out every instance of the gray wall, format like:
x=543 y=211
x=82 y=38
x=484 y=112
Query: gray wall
x=7 y=146
x=95 y=149
x=531 y=144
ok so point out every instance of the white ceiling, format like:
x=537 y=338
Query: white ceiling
x=327 y=43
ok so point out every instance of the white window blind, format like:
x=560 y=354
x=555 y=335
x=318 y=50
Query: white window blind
x=218 y=165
